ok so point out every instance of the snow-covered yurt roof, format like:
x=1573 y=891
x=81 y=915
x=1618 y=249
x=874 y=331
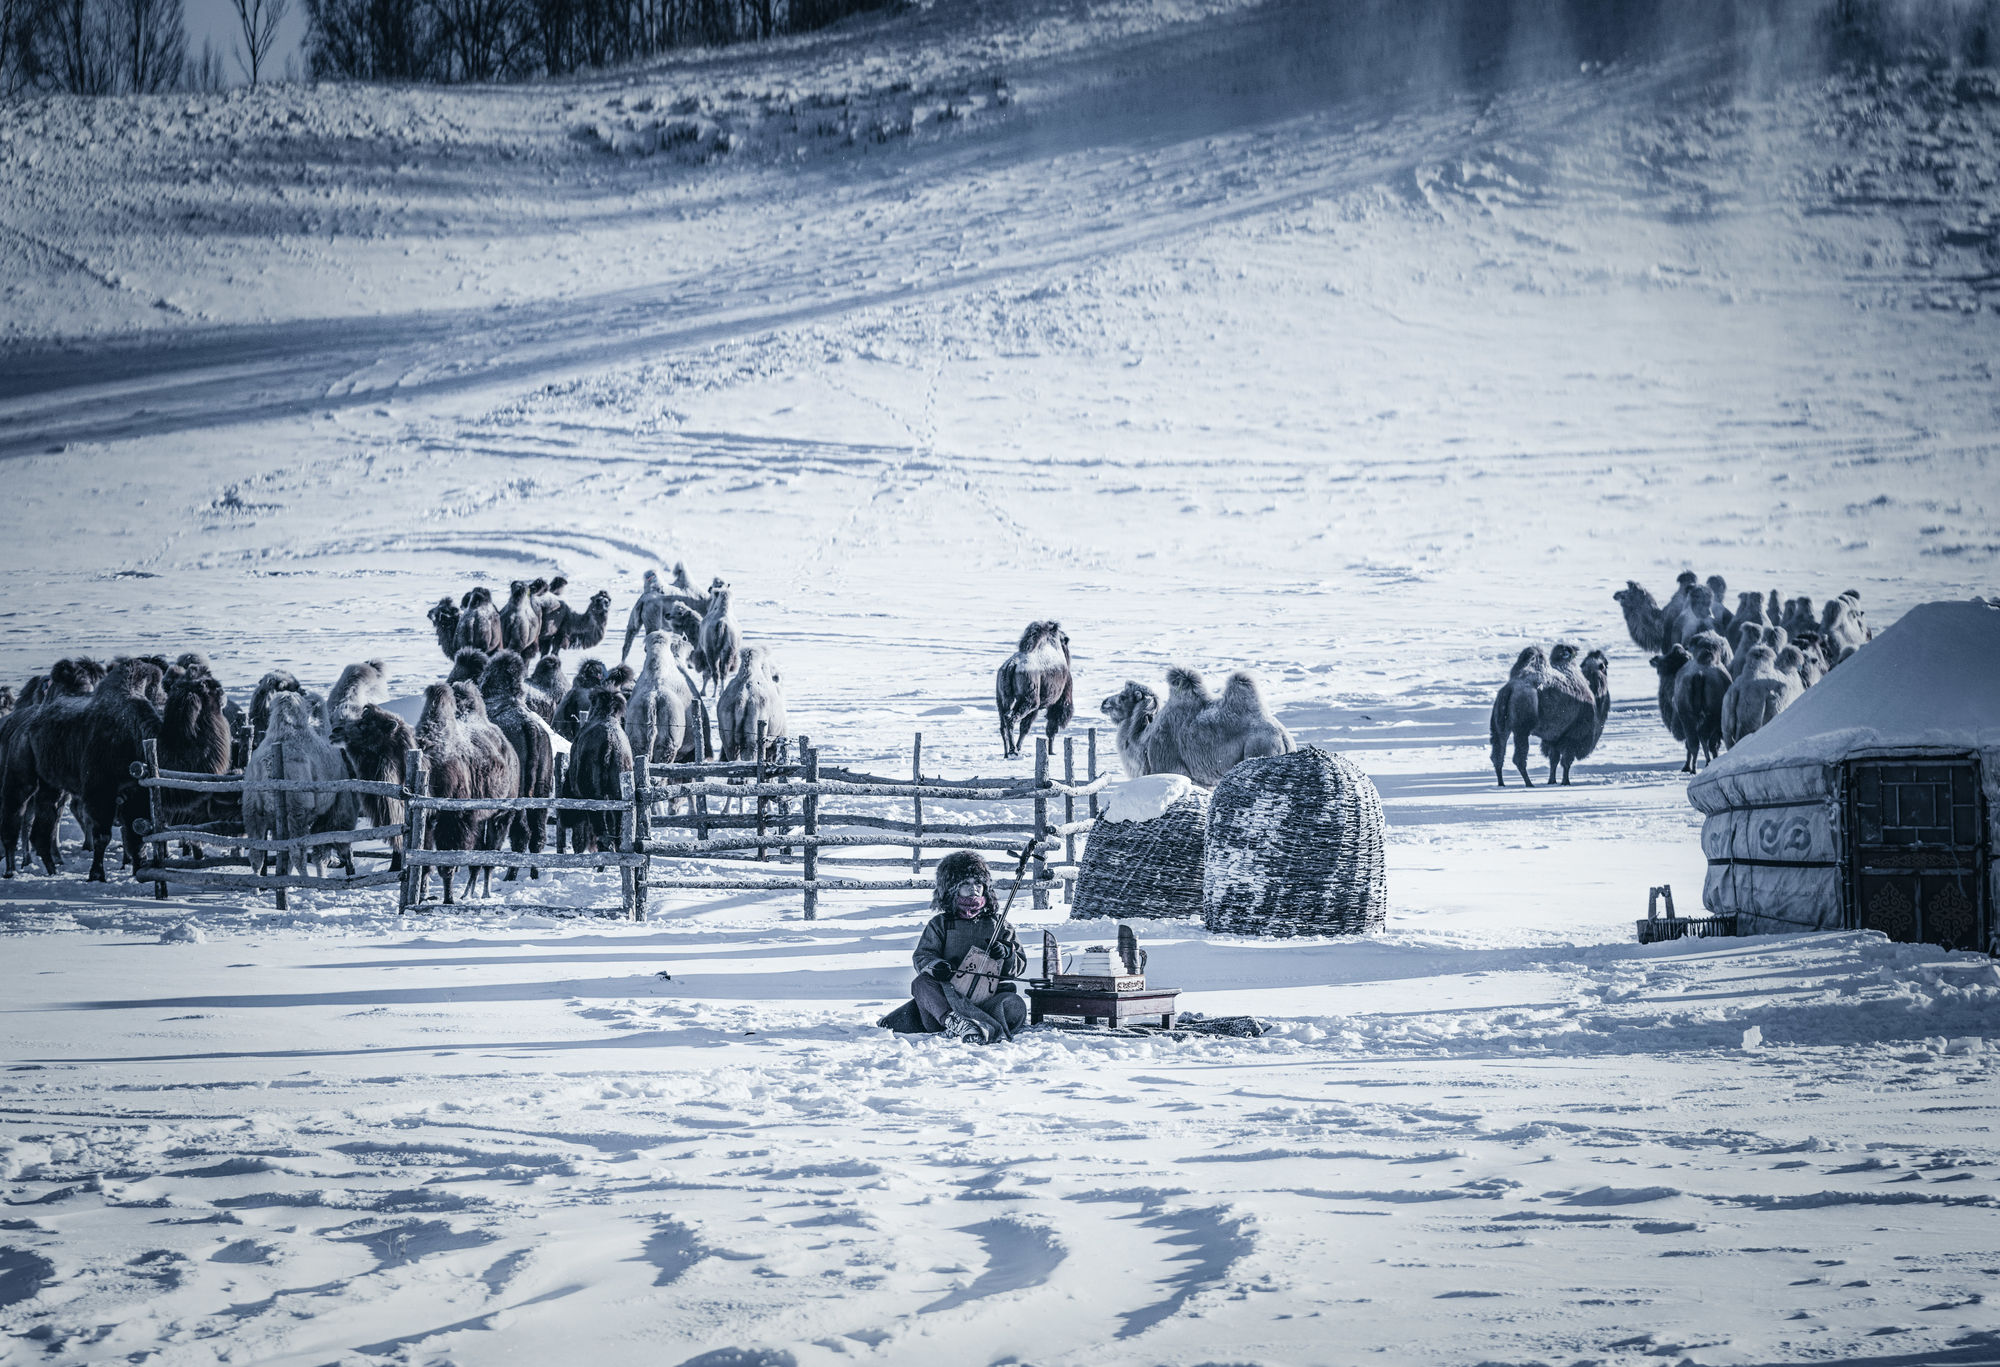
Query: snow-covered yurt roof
x=1930 y=682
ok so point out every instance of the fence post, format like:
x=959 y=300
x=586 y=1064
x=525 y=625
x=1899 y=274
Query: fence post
x=917 y=776
x=642 y=830
x=811 y=757
x=1069 y=808
x=157 y=805
x=627 y=899
x=763 y=852
x=1041 y=900
x=1093 y=771
x=554 y=814
x=415 y=781
x=785 y=803
x=284 y=825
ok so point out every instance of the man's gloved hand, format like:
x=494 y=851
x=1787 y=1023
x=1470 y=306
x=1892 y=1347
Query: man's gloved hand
x=941 y=970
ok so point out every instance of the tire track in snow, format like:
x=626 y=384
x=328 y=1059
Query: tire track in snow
x=107 y=392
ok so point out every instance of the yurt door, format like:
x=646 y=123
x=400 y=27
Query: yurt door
x=1916 y=851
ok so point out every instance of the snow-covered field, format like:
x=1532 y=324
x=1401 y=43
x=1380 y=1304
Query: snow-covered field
x=1362 y=388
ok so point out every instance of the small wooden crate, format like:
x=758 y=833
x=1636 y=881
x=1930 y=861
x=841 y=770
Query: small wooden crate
x=1685 y=928
x=1656 y=928
x=1095 y=1004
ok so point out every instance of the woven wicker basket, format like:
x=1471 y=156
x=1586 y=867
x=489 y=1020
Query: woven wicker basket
x=1295 y=848
x=1149 y=869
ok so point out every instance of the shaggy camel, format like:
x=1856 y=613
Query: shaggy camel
x=374 y=744
x=583 y=630
x=84 y=747
x=649 y=613
x=359 y=686
x=444 y=621
x=656 y=717
x=1668 y=667
x=1203 y=736
x=574 y=709
x=1699 y=689
x=1567 y=733
x=196 y=738
x=479 y=623
x=504 y=689
x=1643 y=618
x=752 y=695
x=521 y=623
x=601 y=754
x=76 y=677
x=460 y=767
x=294 y=748
x=1132 y=709
x=547 y=687
x=1843 y=628
x=720 y=640
x=1035 y=678
x=467 y=666
x=1758 y=693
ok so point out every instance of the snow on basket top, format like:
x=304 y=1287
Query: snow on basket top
x=1144 y=799
x=1931 y=681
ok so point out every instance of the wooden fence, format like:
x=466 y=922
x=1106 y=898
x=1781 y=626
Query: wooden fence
x=791 y=826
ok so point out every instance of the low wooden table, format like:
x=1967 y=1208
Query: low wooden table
x=1098 y=1004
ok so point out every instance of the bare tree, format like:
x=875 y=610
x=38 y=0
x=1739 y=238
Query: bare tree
x=74 y=47
x=259 y=21
x=154 y=38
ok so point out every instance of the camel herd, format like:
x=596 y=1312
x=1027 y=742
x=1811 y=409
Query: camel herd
x=490 y=729
x=1725 y=674
x=1777 y=647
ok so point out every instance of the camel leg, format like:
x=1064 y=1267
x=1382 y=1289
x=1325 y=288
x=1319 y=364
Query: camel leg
x=48 y=816
x=10 y=831
x=538 y=837
x=517 y=841
x=1521 y=757
x=445 y=874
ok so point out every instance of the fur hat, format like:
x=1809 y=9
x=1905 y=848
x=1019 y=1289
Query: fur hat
x=954 y=869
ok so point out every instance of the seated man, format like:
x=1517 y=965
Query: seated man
x=968 y=939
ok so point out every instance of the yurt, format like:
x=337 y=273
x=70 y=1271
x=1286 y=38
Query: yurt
x=1872 y=801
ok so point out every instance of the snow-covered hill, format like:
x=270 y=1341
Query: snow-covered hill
x=1130 y=315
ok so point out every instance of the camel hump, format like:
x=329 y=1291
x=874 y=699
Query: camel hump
x=1240 y=693
x=1181 y=679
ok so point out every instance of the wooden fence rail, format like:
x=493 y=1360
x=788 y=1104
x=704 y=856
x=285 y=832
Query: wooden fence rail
x=720 y=837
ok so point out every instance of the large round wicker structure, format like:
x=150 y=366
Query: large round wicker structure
x=1144 y=868
x=1295 y=848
